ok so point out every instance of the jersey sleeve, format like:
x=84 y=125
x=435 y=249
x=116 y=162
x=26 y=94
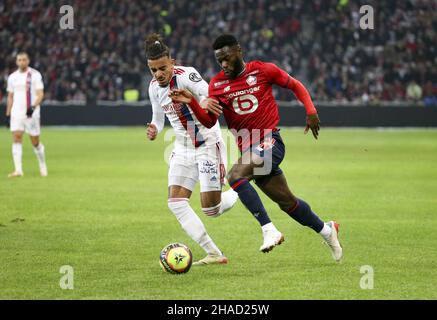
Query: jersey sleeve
x=10 y=87
x=192 y=81
x=276 y=75
x=158 y=117
x=39 y=84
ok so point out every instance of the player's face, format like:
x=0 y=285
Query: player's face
x=230 y=60
x=22 y=61
x=162 y=70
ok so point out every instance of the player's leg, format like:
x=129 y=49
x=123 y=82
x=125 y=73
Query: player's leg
x=211 y=162
x=239 y=178
x=182 y=178
x=211 y=203
x=178 y=203
x=17 y=130
x=276 y=188
x=17 y=153
x=32 y=127
x=211 y=171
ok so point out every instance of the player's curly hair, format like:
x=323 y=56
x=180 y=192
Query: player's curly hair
x=224 y=40
x=155 y=47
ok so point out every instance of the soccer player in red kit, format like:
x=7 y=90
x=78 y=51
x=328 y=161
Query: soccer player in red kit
x=242 y=91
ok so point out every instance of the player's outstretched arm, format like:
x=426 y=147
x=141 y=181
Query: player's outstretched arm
x=312 y=119
x=185 y=96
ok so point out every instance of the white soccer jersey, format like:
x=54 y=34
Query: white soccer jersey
x=184 y=122
x=24 y=85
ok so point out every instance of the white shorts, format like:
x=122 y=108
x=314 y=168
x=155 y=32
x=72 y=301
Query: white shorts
x=31 y=125
x=206 y=164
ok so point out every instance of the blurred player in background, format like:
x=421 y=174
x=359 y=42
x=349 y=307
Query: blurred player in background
x=199 y=152
x=25 y=93
x=244 y=95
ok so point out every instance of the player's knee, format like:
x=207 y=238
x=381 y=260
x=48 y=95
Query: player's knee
x=213 y=211
x=233 y=176
x=18 y=138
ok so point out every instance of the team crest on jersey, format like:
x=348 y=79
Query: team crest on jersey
x=227 y=89
x=251 y=80
x=194 y=77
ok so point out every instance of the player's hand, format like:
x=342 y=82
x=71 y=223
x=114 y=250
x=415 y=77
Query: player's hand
x=313 y=123
x=30 y=112
x=152 y=131
x=212 y=106
x=181 y=96
x=8 y=121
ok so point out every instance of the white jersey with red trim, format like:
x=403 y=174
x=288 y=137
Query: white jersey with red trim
x=184 y=122
x=24 y=86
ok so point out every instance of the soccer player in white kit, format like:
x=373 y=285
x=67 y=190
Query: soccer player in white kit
x=199 y=153
x=25 y=93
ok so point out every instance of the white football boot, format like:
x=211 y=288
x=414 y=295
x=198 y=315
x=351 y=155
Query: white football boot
x=272 y=238
x=211 y=259
x=15 y=174
x=333 y=242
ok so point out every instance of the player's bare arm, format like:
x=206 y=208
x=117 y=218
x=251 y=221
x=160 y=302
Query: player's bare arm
x=209 y=104
x=36 y=103
x=39 y=97
x=185 y=96
x=181 y=96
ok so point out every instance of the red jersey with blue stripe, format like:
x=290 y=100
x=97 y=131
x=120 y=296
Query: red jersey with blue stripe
x=248 y=104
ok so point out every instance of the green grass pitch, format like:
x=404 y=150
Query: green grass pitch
x=103 y=211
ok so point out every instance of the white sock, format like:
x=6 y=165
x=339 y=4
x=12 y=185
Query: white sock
x=39 y=152
x=326 y=230
x=17 y=154
x=268 y=227
x=228 y=200
x=192 y=224
x=213 y=211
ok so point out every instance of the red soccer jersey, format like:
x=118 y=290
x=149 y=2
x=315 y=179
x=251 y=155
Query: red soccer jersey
x=248 y=103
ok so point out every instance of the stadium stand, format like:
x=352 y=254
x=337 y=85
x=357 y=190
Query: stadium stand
x=319 y=42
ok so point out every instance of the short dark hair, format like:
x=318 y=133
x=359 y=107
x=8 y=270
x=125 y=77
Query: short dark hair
x=155 y=47
x=224 y=40
x=23 y=53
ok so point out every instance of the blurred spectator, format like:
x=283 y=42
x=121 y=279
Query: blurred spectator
x=318 y=41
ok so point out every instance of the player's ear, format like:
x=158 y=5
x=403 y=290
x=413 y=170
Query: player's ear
x=173 y=61
x=240 y=51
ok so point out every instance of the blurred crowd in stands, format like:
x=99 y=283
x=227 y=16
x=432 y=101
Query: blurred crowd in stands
x=319 y=42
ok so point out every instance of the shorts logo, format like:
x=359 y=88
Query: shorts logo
x=227 y=89
x=251 y=80
x=208 y=167
x=213 y=179
x=194 y=77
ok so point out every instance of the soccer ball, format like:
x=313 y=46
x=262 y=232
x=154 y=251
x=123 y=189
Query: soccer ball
x=176 y=258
